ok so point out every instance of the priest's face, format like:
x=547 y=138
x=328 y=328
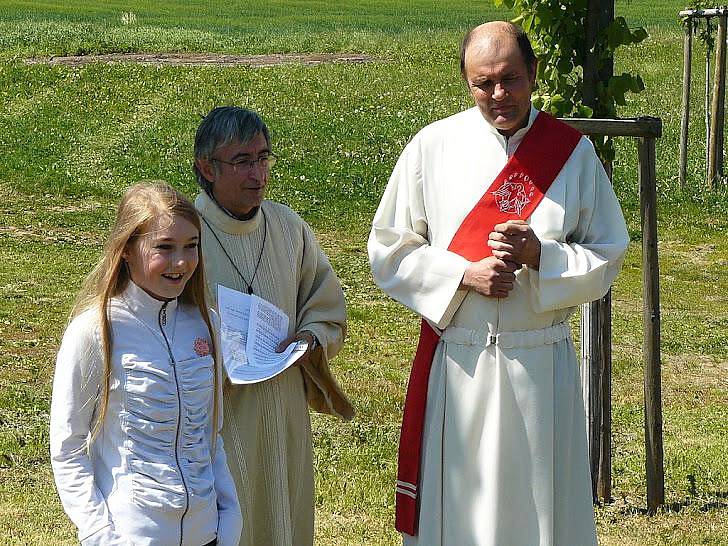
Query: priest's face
x=239 y=174
x=500 y=81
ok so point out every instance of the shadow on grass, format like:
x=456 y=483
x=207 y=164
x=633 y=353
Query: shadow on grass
x=718 y=500
x=701 y=505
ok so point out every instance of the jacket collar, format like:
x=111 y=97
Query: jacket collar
x=148 y=309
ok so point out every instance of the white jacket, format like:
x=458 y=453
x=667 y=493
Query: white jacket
x=150 y=477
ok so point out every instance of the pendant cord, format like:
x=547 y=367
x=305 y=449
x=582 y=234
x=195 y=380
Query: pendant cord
x=260 y=256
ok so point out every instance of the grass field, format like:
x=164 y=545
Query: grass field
x=72 y=139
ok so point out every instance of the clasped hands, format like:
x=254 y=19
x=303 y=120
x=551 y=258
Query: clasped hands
x=514 y=244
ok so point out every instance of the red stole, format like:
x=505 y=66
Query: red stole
x=513 y=195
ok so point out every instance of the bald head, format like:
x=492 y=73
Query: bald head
x=497 y=34
x=499 y=74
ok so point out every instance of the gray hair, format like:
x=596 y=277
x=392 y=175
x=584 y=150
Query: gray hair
x=223 y=125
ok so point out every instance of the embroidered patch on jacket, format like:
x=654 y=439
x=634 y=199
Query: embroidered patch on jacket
x=514 y=194
x=202 y=347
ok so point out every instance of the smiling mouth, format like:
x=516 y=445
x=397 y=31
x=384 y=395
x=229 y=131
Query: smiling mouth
x=173 y=276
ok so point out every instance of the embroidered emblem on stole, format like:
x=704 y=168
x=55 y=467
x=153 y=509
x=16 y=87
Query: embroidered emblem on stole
x=514 y=193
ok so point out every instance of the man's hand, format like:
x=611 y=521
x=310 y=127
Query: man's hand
x=490 y=276
x=306 y=336
x=515 y=241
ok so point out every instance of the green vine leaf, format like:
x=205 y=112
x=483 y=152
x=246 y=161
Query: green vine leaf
x=584 y=111
x=556 y=29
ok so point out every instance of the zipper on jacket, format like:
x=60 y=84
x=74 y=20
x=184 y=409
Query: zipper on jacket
x=162 y=319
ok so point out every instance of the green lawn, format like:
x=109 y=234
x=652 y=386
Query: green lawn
x=72 y=139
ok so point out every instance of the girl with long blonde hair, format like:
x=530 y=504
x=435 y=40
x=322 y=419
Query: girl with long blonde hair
x=137 y=390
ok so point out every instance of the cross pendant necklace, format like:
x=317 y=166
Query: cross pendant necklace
x=249 y=285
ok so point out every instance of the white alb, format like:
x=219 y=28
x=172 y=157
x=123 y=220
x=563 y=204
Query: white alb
x=504 y=459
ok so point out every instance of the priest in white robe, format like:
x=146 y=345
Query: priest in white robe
x=258 y=246
x=503 y=458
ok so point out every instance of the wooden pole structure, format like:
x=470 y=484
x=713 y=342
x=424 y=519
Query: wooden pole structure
x=597 y=315
x=646 y=130
x=715 y=108
x=715 y=140
x=651 y=324
x=687 y=66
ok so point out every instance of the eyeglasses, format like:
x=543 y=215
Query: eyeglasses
x=246 y=165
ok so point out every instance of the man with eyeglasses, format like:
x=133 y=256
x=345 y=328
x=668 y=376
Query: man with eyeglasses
x=496 y=223
x=261 y=247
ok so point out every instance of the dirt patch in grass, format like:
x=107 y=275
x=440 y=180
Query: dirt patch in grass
x=42 y=234
x=687 y=379
x=697 y=373
x=15 y=202
x=204 y=59
x=682 y=253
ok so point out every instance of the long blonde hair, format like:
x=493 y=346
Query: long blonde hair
x=141 y=205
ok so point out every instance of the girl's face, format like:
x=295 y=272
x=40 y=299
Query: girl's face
x=163 y=259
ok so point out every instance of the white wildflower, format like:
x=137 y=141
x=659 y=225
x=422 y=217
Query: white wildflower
x=128 y=18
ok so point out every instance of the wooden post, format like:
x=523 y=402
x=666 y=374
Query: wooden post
x=715 y=141
x=591 y=381
x=591 y=73
x=651 y=324
x=707 y=105
x=723 y=22
x=687 y=66
x=596 y=357
x=604 y=481
x=597 y=315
